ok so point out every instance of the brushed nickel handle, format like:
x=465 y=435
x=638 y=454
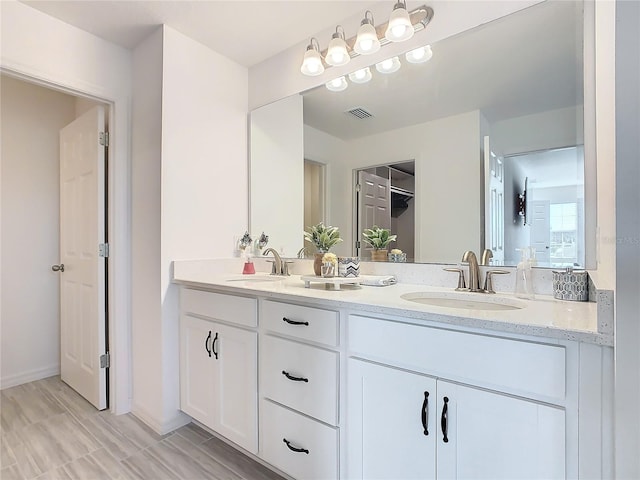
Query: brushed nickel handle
x=58 y=268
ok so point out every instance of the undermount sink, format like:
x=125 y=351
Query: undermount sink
x=468 y=301
x=256 y=278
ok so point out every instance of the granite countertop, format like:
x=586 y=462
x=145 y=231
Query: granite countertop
x=542 y=317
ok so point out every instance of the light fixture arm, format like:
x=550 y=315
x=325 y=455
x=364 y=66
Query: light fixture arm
x=314 y=44
x=339 y=33
x=400 y=4
x=366 y=20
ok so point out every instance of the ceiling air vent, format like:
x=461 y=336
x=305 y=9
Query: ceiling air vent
x=359 y=112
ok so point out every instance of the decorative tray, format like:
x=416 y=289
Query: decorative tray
x=330 y=283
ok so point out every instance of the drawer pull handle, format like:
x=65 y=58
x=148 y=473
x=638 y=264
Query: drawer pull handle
x=425 y=413
x=295 y=379
x=294 y=322
x=213 y=346
x=206 y=344
x=443 y=420
x=295 y=449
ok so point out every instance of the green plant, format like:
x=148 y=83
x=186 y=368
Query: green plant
x=323 y=237
x=378 y=238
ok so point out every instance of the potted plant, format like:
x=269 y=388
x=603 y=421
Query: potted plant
x=323 y=238
x=379 y=239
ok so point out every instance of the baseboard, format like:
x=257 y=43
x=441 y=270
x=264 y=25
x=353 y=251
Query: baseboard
x=30 y=376
x=161 y=427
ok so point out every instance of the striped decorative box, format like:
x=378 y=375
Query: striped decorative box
x=349 y=267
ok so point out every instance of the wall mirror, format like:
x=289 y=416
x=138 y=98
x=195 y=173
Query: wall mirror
x=494 y=106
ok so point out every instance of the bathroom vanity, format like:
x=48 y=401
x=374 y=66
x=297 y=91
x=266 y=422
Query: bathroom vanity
x=363 y=383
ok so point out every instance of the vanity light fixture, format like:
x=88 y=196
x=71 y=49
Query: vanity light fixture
x=419 y=55
x=312 y=62
x=361 y=76
x=367 y=41
x=399 y=27
x=389 y=65
x=337 y=53
x=337 y=84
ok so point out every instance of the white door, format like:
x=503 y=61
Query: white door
x=374 y=204
x=493 y=436
x=540 y=230
x=391 y=428
x=82 y=230
x=236 y=395
x=197 y=387
x=494 y=203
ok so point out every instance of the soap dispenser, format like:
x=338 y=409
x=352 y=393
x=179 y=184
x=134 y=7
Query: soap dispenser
x=524 y=281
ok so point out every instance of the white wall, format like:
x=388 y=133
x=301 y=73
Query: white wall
x=446 y=152
x=31 y=118
x=627 y=331
x=189 y=196
x=39 y=47
x=146 y=303
x=277 y=175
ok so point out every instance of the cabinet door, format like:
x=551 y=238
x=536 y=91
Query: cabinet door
x=388 y=410
x=236 y=377
x=493 y=436
x=197 y=388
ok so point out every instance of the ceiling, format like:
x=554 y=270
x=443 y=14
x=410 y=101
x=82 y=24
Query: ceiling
x=247 y=32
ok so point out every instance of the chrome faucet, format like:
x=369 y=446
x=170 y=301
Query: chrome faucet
x=474 y=271
x=277 y=261
x=302 y=253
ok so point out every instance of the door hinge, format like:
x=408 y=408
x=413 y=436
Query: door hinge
x=103 y=138
x=105 y=360
x=103 y=250
x=357 y=244
x=357 y=187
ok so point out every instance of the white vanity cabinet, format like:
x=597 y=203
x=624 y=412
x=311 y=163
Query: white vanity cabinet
x=412 y=417
x=299 y=379
x=218 y=364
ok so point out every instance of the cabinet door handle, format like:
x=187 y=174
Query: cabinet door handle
x=425 y=413
x=206 y=344
x=295 y=449
x=213 y=346
x=295 y=379
x=294 y=322
x=443 y=420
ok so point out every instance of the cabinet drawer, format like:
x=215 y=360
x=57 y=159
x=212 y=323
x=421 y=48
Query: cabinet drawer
x=319 y=458
x=317 y=394
x=519 y=367
x=229 y=308
x=308 y=323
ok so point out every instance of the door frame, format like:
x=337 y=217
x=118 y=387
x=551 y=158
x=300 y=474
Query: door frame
x=118 y=217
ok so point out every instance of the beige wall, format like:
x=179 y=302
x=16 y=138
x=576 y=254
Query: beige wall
x=31 y=118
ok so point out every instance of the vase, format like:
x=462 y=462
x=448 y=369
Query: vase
x=317 y=263
x=378 y=255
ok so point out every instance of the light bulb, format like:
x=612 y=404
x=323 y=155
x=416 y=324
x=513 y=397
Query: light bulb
x=312 y=62
x=399 y=27
x=337 y=84
x=337 y=53
x=389 y=65
x=367 y=41
x=419 y=55
x=360 y=76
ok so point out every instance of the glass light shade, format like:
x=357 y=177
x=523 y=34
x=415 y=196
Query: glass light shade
x=360 y=76
x=367 y=41
x=399 y=27
x=337 y=53
x=419 y=55
x=312 y=63
x=389 y=65
x=337 y=84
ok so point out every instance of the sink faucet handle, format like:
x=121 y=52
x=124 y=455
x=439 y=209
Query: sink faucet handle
x=488 y=279
x=461 y=284
x=285 y=267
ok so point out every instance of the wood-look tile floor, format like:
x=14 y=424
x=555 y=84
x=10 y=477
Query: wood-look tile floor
x=48 y=432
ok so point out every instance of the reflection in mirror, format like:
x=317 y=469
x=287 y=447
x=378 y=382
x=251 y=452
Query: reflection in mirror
x=500 y=91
